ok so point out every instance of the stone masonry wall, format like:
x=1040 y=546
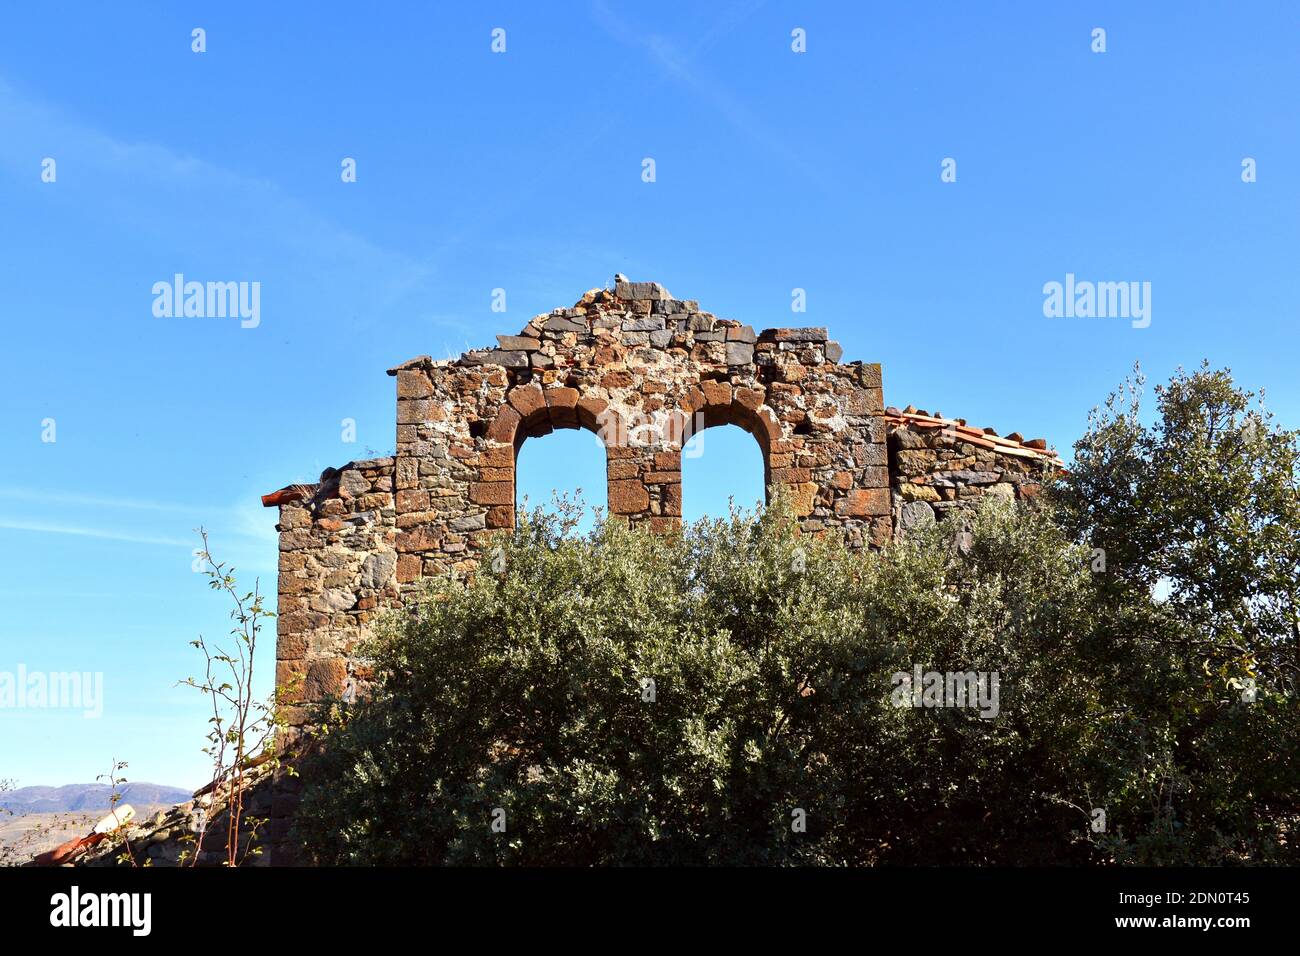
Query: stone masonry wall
x=939 y=465
x=642 y=370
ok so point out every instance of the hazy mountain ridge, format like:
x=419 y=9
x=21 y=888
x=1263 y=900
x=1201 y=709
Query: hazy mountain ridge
x=88 y=797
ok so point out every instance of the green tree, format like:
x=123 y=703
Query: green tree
x=1203 y=505
x=1198 y=510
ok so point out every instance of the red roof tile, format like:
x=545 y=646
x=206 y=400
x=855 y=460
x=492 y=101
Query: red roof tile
x=1014 y=444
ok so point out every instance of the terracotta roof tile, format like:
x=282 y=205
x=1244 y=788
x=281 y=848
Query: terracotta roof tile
x=288 y=494
x=1013 y=444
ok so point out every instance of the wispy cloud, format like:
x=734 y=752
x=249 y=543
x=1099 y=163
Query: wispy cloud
x=676 y=62
x=39 y=527
x=242 y=520
x=43 y=496
x=142 y=182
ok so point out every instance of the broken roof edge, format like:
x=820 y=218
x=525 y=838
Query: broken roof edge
x=420 y=361
x=287 y=495
x=1013 y=444
x=302 y=491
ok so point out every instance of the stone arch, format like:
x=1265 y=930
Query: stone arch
x=644 y=371
x=529 y=411
x=713 y=403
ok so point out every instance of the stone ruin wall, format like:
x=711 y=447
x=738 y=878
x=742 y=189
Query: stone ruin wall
x=939 y=465
x=644 y=371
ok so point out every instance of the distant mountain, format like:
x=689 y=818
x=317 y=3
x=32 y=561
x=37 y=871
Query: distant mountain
x=88 y=797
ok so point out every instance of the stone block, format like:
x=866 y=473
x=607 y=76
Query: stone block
x=510 y=359
x=628 y=497
x=527 y=399
x=739 y=353
x=492 y=493
x=476 y=522
x=378 y=569
x=414 y=383
x=795 y=336
x=503 y=426
x=559 y=325
x=518 y=343
x=863 y=502
x=645 y=324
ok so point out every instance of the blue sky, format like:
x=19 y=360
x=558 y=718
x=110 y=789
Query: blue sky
x=522 y=171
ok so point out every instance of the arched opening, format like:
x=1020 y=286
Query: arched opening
x=568 y=464
x=720 y=465
x=565 y=458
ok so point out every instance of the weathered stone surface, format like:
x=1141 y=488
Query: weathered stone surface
x=795 y=335
x=739 y=353
x=378 y=569
x=501 y=516
x=912 y=492
x=644 y=324
x=954 y=479
x=527 y=400
x=503 y=426
x=628 y=497
x=716 y=393
x=559 y=324
x=413 y=383
x=803 y=498
x=492 y=492
x=915 y=514
x=333 y=599
x=510 y=359
x=352 y=483
x=868 y=375
x=561 y=398
x=641 y=290
x=475 y=522
x=412 y=499
x=861 y=502
x=518 y=343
